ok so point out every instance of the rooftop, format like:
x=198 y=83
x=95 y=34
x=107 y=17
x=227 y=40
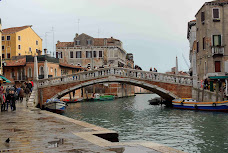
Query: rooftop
x=14 y=29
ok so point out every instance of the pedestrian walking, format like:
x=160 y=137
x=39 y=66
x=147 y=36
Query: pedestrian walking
x=2 y=96
x=29 y=85
x=11 y=98
x=21 y=95
x=27 y=95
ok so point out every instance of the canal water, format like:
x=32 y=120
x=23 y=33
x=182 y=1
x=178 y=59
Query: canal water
x=135 y=120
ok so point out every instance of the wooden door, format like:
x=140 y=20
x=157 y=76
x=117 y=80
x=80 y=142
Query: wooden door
x=217 y=66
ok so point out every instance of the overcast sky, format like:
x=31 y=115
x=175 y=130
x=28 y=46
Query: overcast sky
x=154 y=31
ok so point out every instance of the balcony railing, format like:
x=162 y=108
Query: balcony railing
x=217 y=50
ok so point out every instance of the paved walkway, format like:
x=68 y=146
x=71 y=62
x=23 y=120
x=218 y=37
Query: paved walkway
x=42 y=131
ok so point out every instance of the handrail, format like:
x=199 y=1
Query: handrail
x=117 y=71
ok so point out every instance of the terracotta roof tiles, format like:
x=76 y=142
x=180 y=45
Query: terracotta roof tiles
x=65 y=44
x=19 y=62
x=14 y=29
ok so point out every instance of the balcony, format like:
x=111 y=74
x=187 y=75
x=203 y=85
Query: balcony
x=217 y=50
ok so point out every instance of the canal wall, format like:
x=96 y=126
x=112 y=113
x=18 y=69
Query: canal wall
x=206 y=95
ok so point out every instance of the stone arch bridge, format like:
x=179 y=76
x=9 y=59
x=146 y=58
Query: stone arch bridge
x=165 y=85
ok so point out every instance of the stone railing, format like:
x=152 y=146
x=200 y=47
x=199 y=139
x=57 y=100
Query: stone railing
x=121 y=72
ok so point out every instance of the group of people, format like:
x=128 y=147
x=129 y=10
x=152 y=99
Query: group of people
x=11 y=94
x=154 y=70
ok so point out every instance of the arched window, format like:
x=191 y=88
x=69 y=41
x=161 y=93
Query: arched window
x=29 y=72
x=41 y=72
x=55 y=72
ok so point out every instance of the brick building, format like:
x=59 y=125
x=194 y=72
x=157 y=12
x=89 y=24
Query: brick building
x=211 y=39
x=87 y=51
x=92 y=53
x=21 y=68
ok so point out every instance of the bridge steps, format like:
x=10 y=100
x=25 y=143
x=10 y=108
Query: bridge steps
x=31 y=101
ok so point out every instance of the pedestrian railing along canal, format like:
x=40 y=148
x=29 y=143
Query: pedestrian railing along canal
x=119 y=72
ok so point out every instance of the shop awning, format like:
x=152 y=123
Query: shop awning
x=218 y=77
x=4 y=79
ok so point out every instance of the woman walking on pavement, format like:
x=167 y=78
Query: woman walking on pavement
x=11 y=98
x=21 y=95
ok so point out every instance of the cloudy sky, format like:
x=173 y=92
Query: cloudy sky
x=154 y=31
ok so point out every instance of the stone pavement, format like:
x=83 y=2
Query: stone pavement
x=42 y=131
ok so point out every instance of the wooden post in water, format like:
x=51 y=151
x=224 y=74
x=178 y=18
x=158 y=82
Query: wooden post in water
x=217 y=89
x=203 y=94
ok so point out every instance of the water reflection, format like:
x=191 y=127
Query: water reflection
x=136 y=120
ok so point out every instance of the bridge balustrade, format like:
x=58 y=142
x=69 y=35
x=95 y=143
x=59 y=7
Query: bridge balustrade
x=121 y=72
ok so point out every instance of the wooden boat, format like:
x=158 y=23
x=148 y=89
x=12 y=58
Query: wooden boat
x=155 y=101
x=103 y=98
x=55 y=105
x=191 y=104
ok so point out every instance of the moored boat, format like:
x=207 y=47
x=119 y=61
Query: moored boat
x=103 y=97
x=155 y=101
x=55 y=105
x=191 y=104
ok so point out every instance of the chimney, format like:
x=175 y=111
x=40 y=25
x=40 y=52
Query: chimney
x=76 y=35
x=58 y=41
x=45 y=51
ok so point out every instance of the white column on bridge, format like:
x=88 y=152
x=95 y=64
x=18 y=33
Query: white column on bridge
x=176 y=69
x=45 y=69
x=35 y=76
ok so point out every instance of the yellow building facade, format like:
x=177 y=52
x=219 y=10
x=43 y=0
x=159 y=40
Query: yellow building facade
x=0 y=47
x=19 y=41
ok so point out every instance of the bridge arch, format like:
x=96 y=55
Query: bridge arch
x=166 y=85
x=154 y=88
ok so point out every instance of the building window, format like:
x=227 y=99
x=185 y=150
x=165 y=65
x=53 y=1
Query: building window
x=59 y=55
x=71 y=54
x=30 y=72
x=197 y=47
x=100 y=54
x=217 y=40
x=205 y=68
x=202 y=17
x=19 y=46
x=78 y=54
x=89 y=42
x=204 y=43
x=12 y=74
x=217 y=66
x=37 y=42
x=3 y=38
x=19 y=38
x=8 y=38
x=41 y=70
x=8 y=55
x=19 y=54
x=30 y=49
x=37 y=51
x=94 y=54
x=3 y=56
x=3 y=47
x=215 y=13
x=88 y=54
x=55 y=72
x=77 y=42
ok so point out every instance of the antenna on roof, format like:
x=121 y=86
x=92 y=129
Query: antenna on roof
x=53 y=40
x=78 y=25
